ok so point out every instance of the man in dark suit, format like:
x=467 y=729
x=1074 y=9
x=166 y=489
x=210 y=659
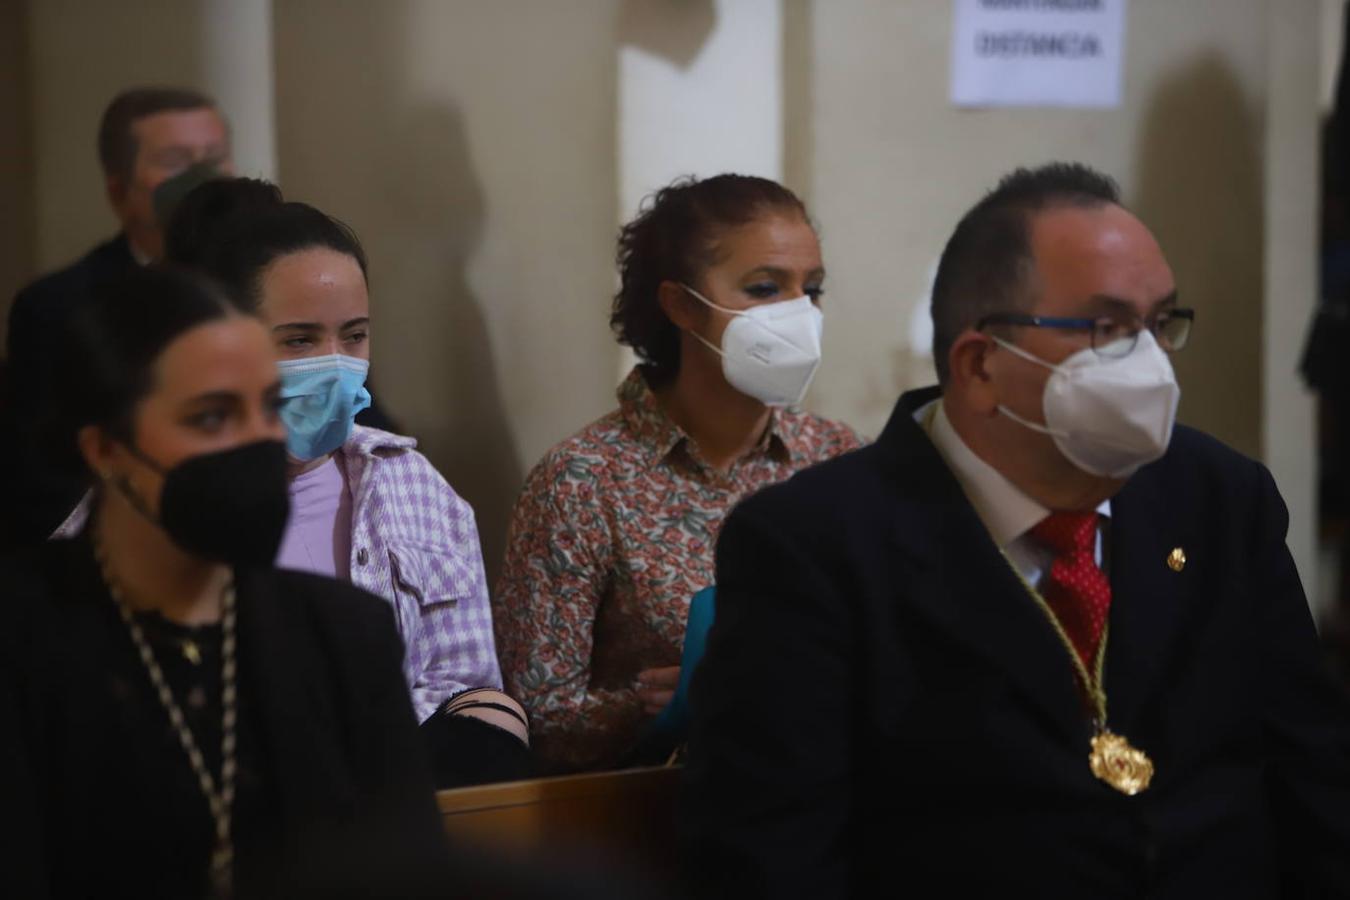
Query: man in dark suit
x=1034 y=640
x=147 y=136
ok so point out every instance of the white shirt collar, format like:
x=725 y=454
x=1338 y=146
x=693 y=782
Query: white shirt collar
x=1004 y=509
x=141 y=259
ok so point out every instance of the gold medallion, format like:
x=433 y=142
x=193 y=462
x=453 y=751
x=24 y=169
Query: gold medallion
x=1112 y=760
x=1176 y=560
x=1120 y=765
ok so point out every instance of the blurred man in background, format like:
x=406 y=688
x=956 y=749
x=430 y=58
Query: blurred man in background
x=147 y=136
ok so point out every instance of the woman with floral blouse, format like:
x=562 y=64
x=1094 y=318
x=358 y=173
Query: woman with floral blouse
x=615 y=528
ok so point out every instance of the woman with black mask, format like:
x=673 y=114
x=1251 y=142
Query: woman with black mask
x=180 y=719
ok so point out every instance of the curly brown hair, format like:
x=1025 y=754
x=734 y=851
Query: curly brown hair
x=674 y=238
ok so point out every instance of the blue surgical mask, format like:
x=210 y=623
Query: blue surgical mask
x=320 y=397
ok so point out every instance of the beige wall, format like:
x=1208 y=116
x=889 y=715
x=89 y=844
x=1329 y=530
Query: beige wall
x=1330 y=36
x=472 y=147
x=82 y=53
x=1292 y=200
x=890 y=166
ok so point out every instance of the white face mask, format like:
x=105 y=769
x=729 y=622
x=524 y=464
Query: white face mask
x=769 y=352
x=1109 y=417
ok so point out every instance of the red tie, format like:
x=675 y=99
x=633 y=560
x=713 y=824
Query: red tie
x=1075 y=587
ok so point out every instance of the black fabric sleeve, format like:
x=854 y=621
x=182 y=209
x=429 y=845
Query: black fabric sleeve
x=22 y=853
x=768 y=787
x=394 y=843
x=466 y=751
x=1307 y=719
x=394 y=770
x=41 y=477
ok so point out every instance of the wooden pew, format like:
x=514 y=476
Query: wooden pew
x=628 y=816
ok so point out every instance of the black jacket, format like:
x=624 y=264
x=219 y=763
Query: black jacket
x=336 y=796
x=40 y=488
x=882 y=703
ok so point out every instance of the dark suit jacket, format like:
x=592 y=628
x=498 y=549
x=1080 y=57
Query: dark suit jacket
x=883 y=704
x=47 y=302
x=340 y=799
x=41 y=489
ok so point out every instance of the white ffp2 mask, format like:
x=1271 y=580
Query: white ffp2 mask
x=1109 y=417
x=769 y=352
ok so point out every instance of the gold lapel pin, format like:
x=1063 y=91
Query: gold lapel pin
x=1176 y=560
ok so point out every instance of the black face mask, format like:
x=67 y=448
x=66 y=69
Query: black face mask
x=230 y=506
x=170 y=192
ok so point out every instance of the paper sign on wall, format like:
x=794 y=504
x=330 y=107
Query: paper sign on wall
x=1037 y=52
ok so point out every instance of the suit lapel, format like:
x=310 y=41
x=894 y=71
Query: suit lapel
x=963 y=584
x=1149 y=599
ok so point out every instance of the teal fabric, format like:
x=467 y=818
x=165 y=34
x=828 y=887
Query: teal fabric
x=674 y=719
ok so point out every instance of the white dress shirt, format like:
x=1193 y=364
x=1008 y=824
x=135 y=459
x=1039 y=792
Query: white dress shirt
x=1005 y=510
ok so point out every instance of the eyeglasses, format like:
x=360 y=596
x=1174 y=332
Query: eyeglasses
x=1111 y=337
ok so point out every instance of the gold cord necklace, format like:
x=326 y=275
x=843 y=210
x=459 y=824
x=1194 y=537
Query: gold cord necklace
x=1112 y=758
x=221 y=802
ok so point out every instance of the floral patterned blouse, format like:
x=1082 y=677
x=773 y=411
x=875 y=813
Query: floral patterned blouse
x=612 y=534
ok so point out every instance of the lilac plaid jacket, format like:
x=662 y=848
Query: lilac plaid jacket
x=414 y=543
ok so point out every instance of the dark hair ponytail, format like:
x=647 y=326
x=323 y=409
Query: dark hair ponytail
x=255 y=239
x=207 y=210
x=234 y=228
